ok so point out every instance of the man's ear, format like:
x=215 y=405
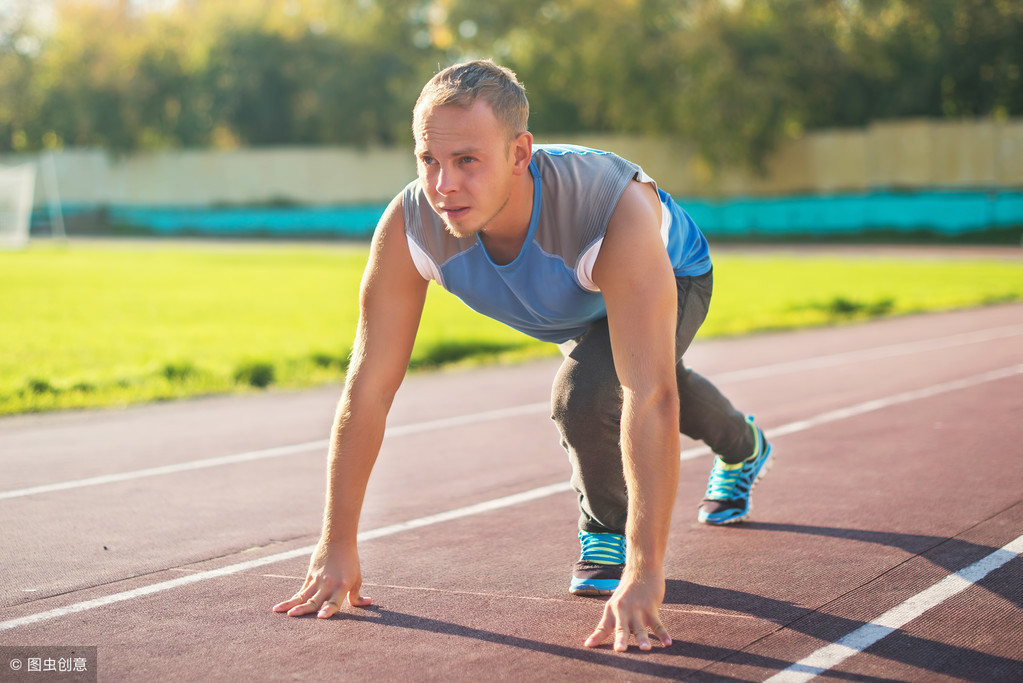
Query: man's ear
x=522 y=152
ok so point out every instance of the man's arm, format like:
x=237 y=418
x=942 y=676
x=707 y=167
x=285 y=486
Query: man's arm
x=635 y=276
x=390 y=306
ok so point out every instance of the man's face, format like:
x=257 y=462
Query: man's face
x=466 y=165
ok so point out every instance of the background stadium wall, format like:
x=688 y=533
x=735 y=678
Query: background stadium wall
x=947 y=178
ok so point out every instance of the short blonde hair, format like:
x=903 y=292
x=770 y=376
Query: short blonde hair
x=462 y=84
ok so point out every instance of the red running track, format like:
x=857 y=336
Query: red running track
x=884 y=543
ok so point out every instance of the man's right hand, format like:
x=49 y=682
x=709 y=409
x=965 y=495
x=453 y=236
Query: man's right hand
x=334 y=574
x=391 y=300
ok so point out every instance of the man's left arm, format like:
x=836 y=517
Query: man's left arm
x=636 y=278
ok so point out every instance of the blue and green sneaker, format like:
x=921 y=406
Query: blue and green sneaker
x=599 y=568
x=728 y=490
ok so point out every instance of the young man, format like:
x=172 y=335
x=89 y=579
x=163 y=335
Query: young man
x=572 y=246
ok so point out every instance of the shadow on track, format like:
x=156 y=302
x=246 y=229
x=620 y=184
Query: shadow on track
x=635 y=662
x=949 y=553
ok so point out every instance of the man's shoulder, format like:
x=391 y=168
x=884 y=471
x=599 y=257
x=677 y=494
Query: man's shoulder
x=580 y=167
x=568 y=153
x=564 y=148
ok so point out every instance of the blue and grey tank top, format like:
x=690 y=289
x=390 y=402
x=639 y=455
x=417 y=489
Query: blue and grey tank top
x=547 y=291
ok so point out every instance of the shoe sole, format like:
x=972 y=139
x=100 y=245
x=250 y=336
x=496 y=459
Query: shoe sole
x=768 y=461
x=593 y=587
x=585 y=591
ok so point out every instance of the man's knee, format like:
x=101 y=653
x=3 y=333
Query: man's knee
x=580 y=399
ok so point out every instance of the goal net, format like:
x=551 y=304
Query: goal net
x=17 y=189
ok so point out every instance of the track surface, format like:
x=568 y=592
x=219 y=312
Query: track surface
x=163 y=534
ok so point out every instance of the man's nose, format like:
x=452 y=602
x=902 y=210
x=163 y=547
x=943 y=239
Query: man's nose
x=447 y=181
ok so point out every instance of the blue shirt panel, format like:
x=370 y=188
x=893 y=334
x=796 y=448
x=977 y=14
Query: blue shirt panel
x=537 y=293
x=687 y=247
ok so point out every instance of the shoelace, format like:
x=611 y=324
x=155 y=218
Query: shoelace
x=602 y=548
x=722 y=482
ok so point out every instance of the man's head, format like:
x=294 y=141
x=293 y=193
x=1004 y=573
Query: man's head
x=462 y=85
x=473 y=149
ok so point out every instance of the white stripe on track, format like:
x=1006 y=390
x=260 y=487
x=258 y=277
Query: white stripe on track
x=486 y=506
x=266 y=453
x=830 y=656
x=165 y=469
x=305 y=551
x=152 y=589
x=774 y=370
x=876 y=353
x=904 y=397
x=874 y=404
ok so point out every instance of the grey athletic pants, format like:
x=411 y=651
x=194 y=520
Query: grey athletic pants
x=586 y=404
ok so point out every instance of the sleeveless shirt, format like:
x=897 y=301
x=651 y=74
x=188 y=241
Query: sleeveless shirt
x=547 y=291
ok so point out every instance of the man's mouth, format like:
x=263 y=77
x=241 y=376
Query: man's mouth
x=454 y=212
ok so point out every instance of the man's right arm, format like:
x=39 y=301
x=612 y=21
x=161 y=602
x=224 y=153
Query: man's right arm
x=390 y=306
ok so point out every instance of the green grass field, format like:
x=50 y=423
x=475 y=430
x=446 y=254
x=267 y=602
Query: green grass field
x=101 y=324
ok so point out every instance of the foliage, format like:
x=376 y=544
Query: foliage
x=97 y=324
x=732 y=76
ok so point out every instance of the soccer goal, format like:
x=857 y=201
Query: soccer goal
x=17 y=188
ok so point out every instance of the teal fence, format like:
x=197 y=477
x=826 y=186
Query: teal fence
x=942 y=214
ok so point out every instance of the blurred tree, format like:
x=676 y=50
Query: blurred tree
x=732 y=76
x=107 y=78
x=19 y=50
x=270 y=89
x=943 y=57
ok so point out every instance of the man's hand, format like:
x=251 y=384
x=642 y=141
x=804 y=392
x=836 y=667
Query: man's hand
x=633 y=610
x=390 y=305
x=334 y=574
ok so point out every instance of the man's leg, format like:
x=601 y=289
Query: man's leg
x=586 y=404
x=587 y=407
x=705 y=414
x=742 y=453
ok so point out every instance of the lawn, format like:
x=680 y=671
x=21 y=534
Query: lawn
x=100 y=324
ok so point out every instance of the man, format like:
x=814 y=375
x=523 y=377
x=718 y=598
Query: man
x=572 y=246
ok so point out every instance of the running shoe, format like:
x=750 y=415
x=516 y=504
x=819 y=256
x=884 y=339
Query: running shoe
x=728 y=490
x=599 y=568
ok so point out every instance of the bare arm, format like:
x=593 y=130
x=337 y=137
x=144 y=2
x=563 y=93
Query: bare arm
x=635 y=276
x=390 y=306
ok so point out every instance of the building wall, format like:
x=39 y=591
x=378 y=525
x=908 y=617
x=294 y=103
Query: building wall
x=945 y=176
x=913 y=154
x=238 y=177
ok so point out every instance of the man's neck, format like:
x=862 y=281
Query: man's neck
x=504 y=236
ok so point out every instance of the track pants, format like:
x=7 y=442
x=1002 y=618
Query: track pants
x=586 y=405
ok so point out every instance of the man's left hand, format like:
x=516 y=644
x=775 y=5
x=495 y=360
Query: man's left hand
x=633 y=611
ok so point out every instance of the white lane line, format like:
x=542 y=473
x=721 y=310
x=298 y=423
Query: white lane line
x=151 y=589
x=469 y=511
x=904 y=397
x=461 y=420
x=166 y=469
x=266 y=453
x=476 y=509
x=830 y=656
x=776 y=369
x=305 y=551
x=876 y=353
x=873 y=405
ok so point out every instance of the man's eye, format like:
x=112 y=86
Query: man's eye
x=468 y=160
x=426 y=160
